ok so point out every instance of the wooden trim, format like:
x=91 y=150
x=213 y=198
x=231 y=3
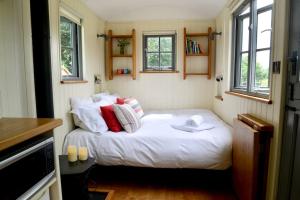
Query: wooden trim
x=121 y=36
x=200 y=54
x=219 y=98
x=209 y=53
x=116 y=74
x=197 y=34
x=110 y=53
x=184 y=53
x=260 y=99
x=73 y=81
x=110 y=192
x=16 y=130
x=120 y=55
x=159 y=72
x=201 y=74
x=133 y=71
x=255 y=123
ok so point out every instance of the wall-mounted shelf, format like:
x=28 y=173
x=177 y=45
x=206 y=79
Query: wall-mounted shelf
x=116 y=74
x=120 y=55
x=200 y=54
x=111 y=55
x=197 y=53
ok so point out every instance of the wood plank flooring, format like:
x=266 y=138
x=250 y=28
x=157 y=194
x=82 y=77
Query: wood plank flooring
x=162 y=184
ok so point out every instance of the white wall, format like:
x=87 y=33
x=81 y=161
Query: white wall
x=162 y=91
x=232 y=105
x=93 y=64
x=17 y=98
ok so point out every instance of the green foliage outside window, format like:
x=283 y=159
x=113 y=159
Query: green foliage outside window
x=66 y=47
x=159 y=54
x=261 y=74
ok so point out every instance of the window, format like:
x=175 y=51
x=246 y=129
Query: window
x=159 y=52
x=70 y=47
x=252 y=48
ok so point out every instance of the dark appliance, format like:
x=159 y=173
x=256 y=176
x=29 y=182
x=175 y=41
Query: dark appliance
x=26 y=168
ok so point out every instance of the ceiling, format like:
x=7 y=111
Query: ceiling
x=132 y=10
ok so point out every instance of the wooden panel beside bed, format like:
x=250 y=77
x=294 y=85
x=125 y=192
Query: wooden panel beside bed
x=251 y=144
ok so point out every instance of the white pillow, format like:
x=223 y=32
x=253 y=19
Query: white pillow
x=89 y=118
x=98 y=104
x=99 y=96
x=77 y=102
x=80 y=101
x=112 y=98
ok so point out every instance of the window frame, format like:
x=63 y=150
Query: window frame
x=145 y=52
x=252 y=49
x=77 y=54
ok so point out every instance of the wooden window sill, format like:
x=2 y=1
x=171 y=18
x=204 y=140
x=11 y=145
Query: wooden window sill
x=73 y=81
x=158 y=72
x=260 y=99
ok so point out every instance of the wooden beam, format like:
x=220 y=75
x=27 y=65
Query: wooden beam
x=209 y=53
x=110 y=53
x=133 y=54
x=184 y=53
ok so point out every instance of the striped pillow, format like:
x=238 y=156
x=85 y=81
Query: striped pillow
x=127 y=117
x=135 y=106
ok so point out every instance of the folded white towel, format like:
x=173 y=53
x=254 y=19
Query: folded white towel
x=195 y=121
x=187 y=128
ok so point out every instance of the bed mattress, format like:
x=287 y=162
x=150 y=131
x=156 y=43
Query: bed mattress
x=157 y=144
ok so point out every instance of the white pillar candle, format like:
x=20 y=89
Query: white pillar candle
x=72 y=153
x=83 y=153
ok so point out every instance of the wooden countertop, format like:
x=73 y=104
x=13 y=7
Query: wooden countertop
x=16 y=130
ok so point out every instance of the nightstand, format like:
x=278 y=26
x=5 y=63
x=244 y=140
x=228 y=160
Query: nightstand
x=74 y=178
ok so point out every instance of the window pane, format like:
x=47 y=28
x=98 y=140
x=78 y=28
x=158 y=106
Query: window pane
x=65 y=33
x=166 y=44
x=153 y=44
x=245 y=36
x=66 y=61
x=166 y=61
x=263 y=3
x=262 y=71
x=264 y=29
x=153 y=61
x=244 y=70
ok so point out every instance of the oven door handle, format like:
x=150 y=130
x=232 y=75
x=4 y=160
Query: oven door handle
x=24 y=153
x=37 y=187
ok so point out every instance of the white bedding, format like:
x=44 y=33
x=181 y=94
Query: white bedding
x=157 y=144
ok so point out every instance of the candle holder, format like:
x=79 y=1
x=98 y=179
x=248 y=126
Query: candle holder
x=72 y=153
x=83 y=153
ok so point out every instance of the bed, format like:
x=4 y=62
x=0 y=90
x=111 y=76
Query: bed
x=156 y=144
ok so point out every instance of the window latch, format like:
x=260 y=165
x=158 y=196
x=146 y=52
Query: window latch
x=250 y=27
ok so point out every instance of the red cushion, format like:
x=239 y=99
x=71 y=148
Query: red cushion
x=110 y=118
x=120 y=101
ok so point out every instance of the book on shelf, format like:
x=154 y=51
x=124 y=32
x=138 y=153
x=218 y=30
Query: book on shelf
x=193 y=47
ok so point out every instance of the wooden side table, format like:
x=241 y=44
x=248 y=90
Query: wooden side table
x=74 y=178
x=250 y=156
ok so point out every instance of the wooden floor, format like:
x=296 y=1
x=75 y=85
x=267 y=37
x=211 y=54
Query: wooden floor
x=152 y=184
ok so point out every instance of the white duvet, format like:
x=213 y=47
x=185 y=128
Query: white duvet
x=157 y=144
